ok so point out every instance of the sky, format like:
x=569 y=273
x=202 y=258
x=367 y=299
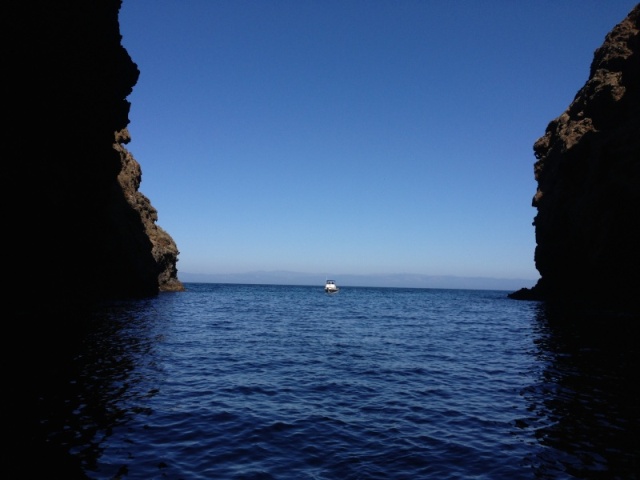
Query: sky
x=364 y=137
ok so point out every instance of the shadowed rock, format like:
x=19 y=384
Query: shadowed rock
x=588 y=197
x=77 y=229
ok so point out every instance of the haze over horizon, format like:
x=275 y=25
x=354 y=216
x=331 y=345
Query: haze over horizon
x=364 y=139
x=350 y=280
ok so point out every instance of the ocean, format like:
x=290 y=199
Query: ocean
x=228 y=381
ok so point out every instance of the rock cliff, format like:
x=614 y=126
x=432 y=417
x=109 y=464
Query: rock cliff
x=588 y=197
x=77 y=230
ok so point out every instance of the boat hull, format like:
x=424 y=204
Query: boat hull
x=330 y=287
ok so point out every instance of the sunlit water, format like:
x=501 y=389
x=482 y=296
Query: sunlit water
x=287 y=382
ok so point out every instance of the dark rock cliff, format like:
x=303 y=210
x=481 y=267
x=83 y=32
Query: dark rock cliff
x=588 y=197
x=76 y=228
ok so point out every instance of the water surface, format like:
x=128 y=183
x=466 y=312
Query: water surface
x=287 y=382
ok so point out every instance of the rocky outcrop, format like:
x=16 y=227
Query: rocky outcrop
x=144 y=218
x=76 y=228
x=588 y=197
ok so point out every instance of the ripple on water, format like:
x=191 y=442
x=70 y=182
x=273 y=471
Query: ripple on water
x=244 y=382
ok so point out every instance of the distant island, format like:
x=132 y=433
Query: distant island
x=400 y=280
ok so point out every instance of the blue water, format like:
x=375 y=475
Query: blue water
x=286 y=382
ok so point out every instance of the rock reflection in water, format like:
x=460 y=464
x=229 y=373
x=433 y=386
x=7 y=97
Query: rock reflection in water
x=585 y=408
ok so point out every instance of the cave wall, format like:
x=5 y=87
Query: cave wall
x=78 y=230
x=587 y=168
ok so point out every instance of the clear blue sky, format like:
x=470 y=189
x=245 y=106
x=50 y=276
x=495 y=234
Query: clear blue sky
x=353 y=136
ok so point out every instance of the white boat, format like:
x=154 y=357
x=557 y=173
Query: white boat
x=331 y=287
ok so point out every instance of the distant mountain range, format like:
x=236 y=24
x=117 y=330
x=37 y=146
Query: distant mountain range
x=400 y=280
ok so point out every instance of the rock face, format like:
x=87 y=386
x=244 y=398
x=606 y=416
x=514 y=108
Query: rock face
x=76 y=228
x=588 y=196
x=138 y=219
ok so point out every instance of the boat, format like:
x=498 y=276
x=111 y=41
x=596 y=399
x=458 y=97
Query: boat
x=331 y=287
